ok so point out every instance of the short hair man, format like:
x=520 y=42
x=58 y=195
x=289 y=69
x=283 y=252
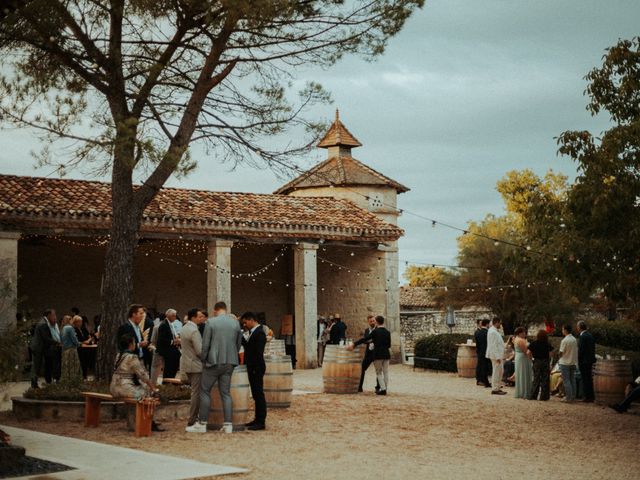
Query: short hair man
x=381 y=339
x=495 y=353
x=46 y=348
x=568 y=362
x=368 y=354
x=484 y=364
x=586 y=359
x=220 y=344
x=253 y=343
x=190 y=362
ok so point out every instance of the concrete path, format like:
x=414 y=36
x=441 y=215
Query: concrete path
x=97 y=461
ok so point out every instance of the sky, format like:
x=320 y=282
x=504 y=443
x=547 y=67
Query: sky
x=466 y=92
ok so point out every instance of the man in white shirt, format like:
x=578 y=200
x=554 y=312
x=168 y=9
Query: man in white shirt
x=495 y=353
x=568 y=363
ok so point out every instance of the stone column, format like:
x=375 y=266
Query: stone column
x=392 y=294
x=8 y=278
x=306 y=304
x=219 y=273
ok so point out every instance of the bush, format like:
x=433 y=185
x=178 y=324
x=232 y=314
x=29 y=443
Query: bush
x=13 y=353
x=617 y=334
x=69 y=393
x=443 y=347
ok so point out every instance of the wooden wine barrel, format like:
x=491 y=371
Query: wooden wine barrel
x=278 y=381
x=240 y=391
x=341 y=369
x=274 y=347
x=610 y=378
x=466 y=360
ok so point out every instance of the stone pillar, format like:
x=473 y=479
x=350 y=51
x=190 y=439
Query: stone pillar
x=306 y=304
x=8 y=278
x=392 y=294
x=219 y=273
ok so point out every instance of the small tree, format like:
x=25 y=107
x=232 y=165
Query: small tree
x=129 y=84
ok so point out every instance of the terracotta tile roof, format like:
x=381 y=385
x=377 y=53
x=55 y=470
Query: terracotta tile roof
x=338 y=135
x=340 y=170
x=416 y=297
x=30 y=204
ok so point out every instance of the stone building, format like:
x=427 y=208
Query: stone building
x=324 y=243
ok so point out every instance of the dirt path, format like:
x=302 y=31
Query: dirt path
x=431 y=425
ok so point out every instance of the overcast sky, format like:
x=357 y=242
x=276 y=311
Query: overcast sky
x=469 y=90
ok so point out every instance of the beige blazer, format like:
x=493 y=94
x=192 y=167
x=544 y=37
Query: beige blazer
x=191 y=343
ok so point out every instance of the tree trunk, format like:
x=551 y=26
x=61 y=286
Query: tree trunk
x=117 y=286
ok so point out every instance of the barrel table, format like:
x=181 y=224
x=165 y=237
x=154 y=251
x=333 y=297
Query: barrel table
x=467 y=360
x=239 y=393
x=341 y=369
x=278 y=381
x=610 y=378
x=275 y=347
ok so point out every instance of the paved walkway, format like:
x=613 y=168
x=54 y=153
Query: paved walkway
x=99 y=461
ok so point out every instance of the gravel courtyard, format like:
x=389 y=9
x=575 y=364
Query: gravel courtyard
x=431 y=425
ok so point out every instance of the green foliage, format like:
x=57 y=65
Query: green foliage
x=72 y=393
x=13 y=353
x=443 y=347
x=621 y=335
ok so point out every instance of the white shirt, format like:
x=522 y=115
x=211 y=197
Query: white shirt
x=495 y=344
x=569 y=350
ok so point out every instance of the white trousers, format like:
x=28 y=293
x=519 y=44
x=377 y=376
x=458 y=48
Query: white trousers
x=496 y=374
x=382 y=373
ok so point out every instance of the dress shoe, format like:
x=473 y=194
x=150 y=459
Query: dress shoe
x=617 y=408
x=498 y=392
x=587 y=400
x=252 y=422
x=256 y=426
x=359 y=390
x=156 y=428
x=381 y=392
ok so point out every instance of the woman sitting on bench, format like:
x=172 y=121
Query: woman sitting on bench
x=130 y=378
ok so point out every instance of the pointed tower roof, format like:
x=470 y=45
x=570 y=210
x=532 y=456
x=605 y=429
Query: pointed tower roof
x=340 y=169
x=338 y=135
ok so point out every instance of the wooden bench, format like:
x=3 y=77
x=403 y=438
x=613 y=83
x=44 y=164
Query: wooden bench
x=425 y=360
x=144 y=411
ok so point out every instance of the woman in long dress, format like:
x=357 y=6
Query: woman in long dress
x=130 y=378
x=71 y=372
x=524 y=369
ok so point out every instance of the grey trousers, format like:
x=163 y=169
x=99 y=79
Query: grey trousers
x=220 y=374
x=382 y=373
x=194 y=406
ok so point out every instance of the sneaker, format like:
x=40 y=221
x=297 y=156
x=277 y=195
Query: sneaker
x=227 y=428
x=198 y=427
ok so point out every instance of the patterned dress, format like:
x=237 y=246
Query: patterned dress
x=127 y=368
x=71 y=372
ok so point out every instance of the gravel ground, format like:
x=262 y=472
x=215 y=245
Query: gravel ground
x=431 y=425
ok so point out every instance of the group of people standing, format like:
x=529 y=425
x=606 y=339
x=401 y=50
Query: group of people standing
x=57 y=349
x=209 y=352
x=532 y=361
x=331 y=331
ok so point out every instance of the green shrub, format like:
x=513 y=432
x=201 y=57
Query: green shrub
x=69 y=393
x=13 y=353
x=619 y=334
x=443 y=347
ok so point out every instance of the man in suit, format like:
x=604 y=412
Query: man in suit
x=220 y=344
x=190 y=363
x=484 y=364
x=586 y=359
x=338 y=330
x=167 y=345
x=254 y=341
x=495 y=353
x=368 y=354
x=381 y=339
x=46 y=348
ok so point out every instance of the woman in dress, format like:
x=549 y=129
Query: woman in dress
x=524 y=369
x=130 y=378
x=71 y=373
